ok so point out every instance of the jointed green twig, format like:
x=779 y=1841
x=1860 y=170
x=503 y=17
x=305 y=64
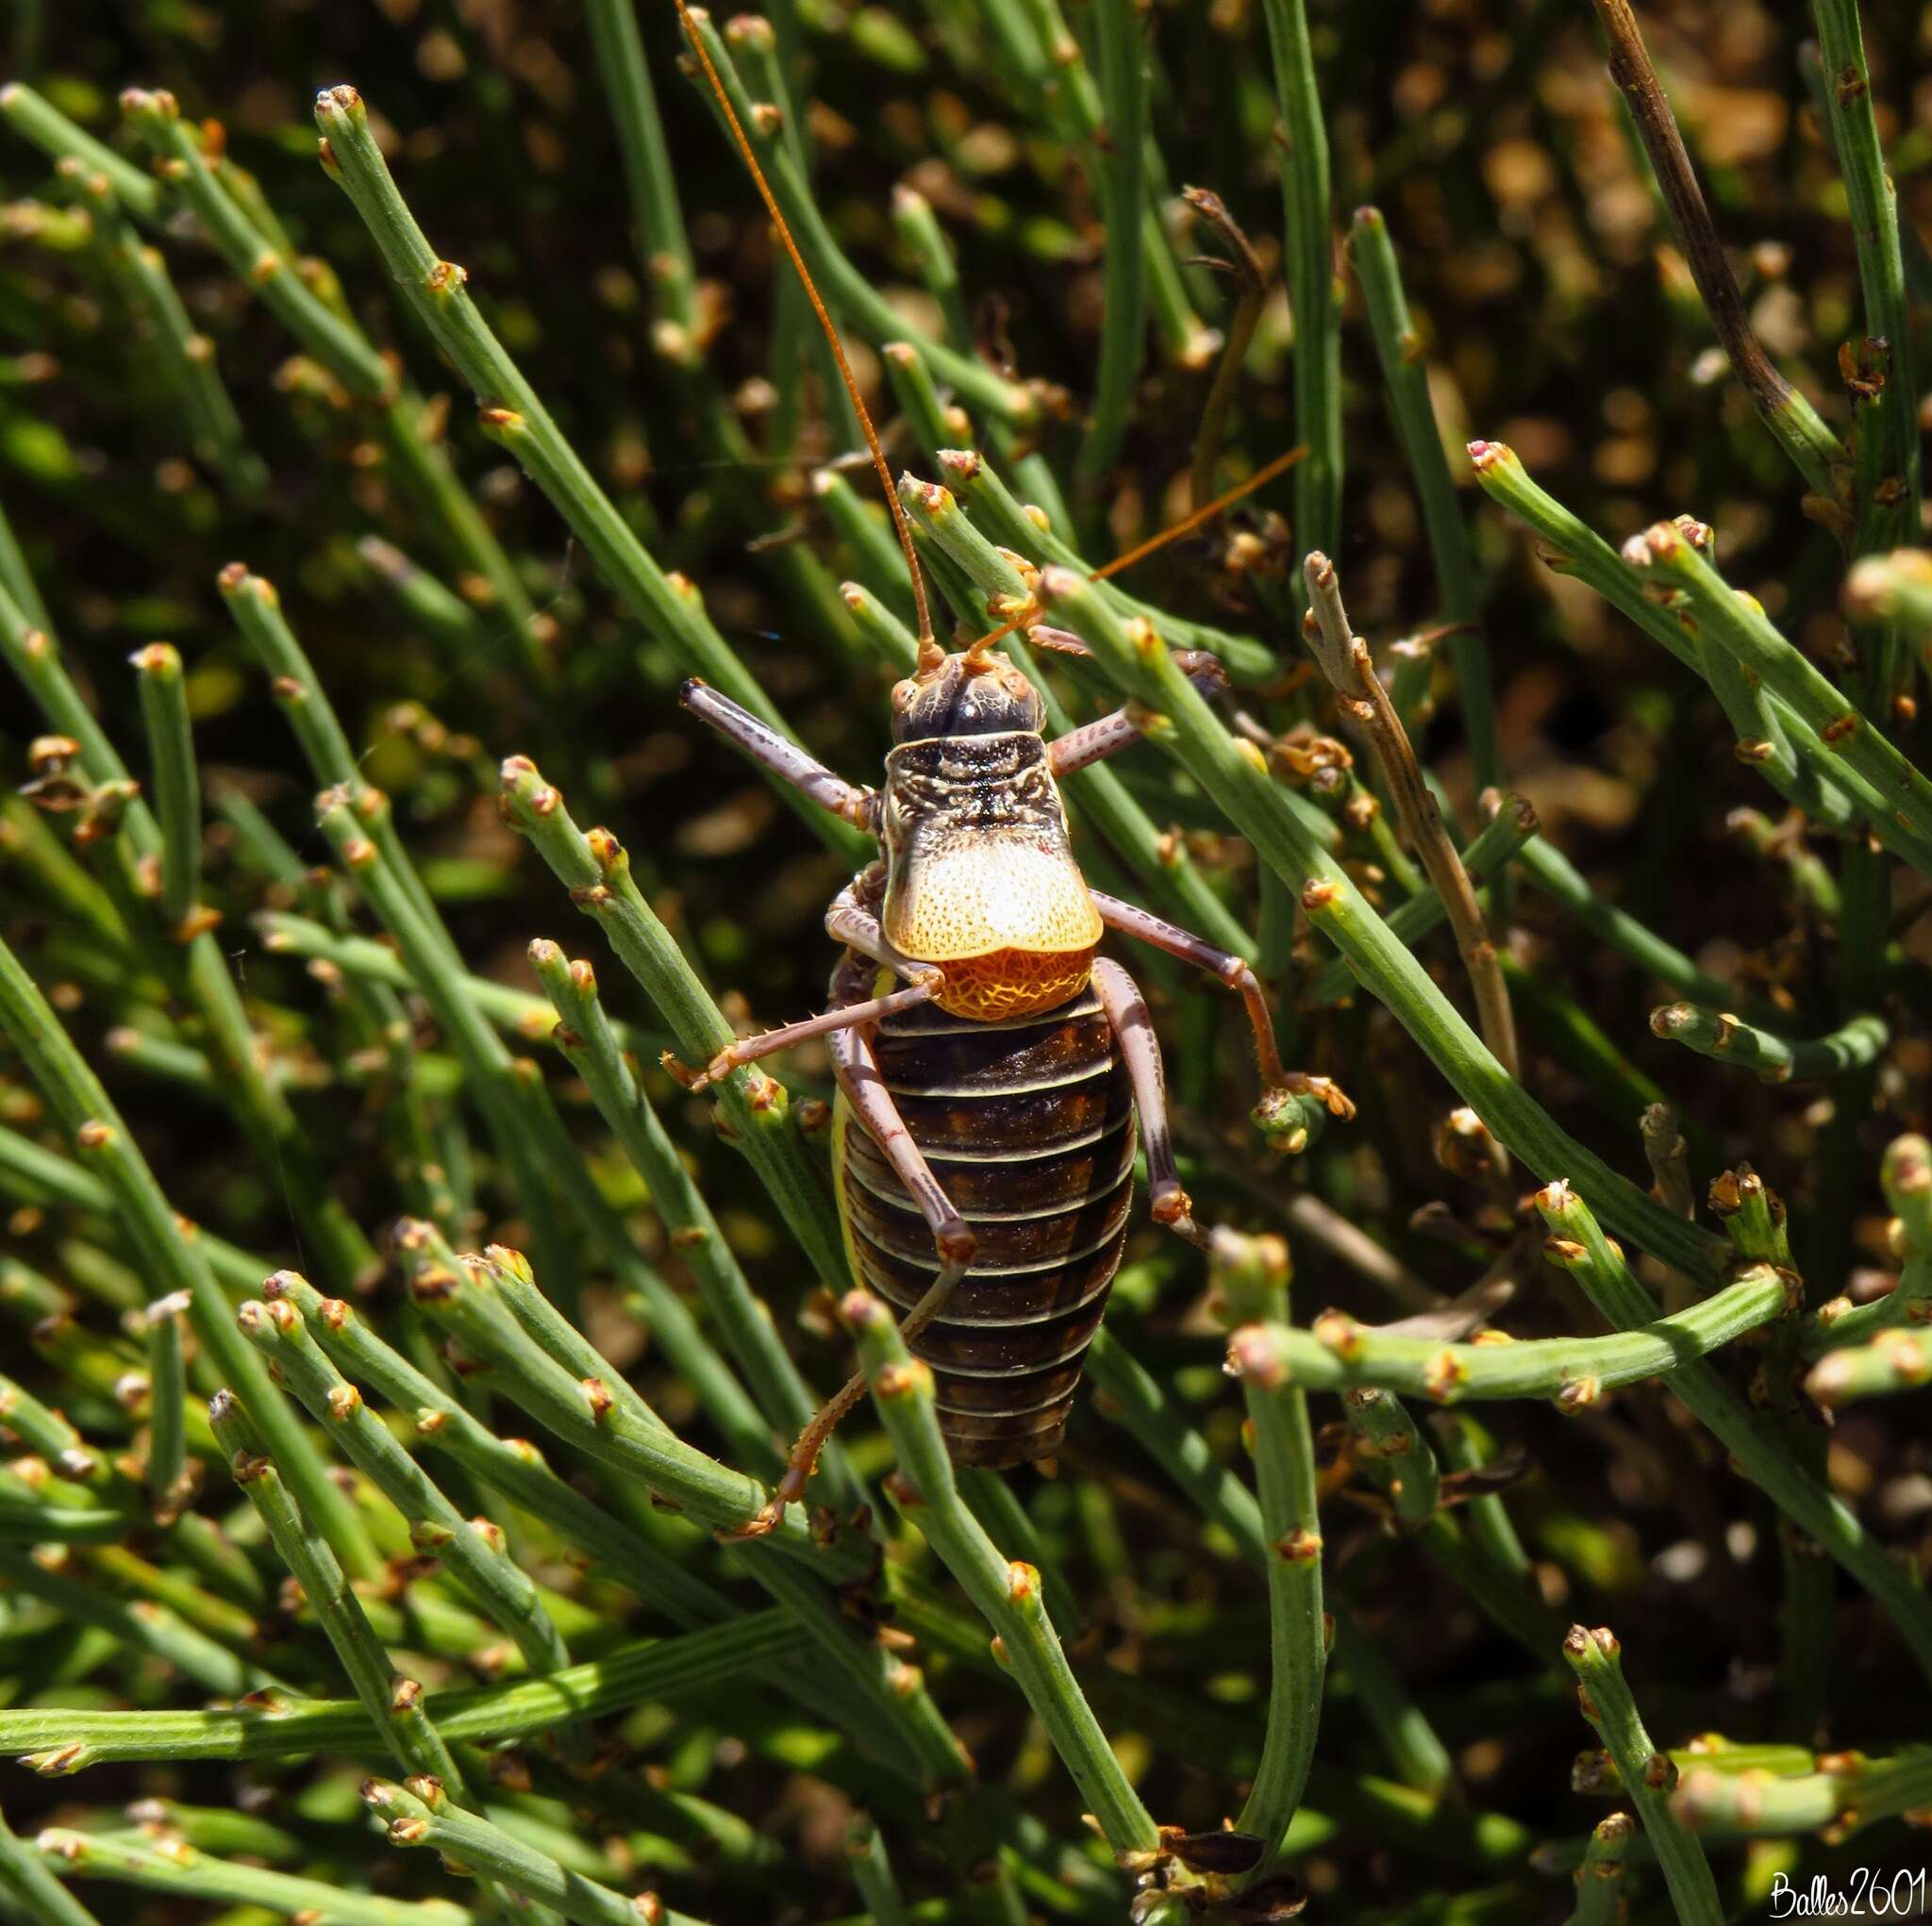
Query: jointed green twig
x=1648 y=1775
x=1008 y=1594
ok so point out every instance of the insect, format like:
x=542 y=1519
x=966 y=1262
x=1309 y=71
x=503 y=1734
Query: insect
x=991 y=1064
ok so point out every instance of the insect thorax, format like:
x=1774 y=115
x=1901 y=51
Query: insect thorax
x=980 y=873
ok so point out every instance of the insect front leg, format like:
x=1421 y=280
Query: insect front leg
x=1235 y=972
x=764 y=744
x=864 y=1088
x=1110 y=734
x=853 y=925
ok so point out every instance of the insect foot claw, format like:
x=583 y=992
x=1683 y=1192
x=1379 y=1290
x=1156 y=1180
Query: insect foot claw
x=1171 y=1206
x=760 y=1524
x=681 y=1073
x=1290 y=1115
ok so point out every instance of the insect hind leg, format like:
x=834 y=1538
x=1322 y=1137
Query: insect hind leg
x=1133 y=1029
x=864 y=1088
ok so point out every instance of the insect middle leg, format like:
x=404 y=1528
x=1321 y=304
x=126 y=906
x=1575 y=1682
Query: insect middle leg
x=857 y=1072
x=1235 y=973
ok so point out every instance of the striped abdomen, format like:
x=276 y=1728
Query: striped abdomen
x=1028 y=1126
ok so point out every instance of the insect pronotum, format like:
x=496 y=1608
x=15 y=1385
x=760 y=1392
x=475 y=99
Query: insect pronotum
x=990 y=1063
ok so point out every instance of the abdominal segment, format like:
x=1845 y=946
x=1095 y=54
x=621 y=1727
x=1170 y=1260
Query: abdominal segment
x=1028 y=1126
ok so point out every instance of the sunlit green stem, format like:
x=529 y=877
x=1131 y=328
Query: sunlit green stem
x=1852 y=1046
x=1009 y=1595
x=1647 y=1774
x=169 y=1252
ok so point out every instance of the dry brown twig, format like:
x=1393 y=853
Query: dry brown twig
x=1345 y=661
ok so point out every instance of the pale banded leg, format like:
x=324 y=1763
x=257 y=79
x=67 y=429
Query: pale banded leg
x=864 y=1088
x=764 y=744
x=1133 y=1029
x=1233 y=971
x=1091 y=742
x=768 y=1042
x=852 y=919
x=1109 y=735
x=849 y=922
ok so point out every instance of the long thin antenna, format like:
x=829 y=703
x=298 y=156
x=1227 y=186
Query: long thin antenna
x=926 y=643
x=1187 y=522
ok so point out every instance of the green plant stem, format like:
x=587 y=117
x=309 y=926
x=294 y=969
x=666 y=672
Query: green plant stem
x=924 y=240
x=167 y=1438
x=1393 y=1451
x=591 y=1414
x=1892 y=587
x=1853 y=1793
x=1345 y=661
x=1905 y=1171
x=177 y=786
x=422 y=1814
x=1552 y=873
x=517 y=1012
x=849 y=293
x=138 y=1624
x=1308 y=265
x=173 y=1259
x=1853 y=1046
x=513 y=1466
x=37 y=120
x=1571 y=549
x=1579 y=1246
x=1236 y=776
x=56 y=1180
x=1873 y=203
x=1599 y=1878
x=1814 y=450
x=871 y=1872
x=357 y=832
x=584 y=1035
x=1137 y=1400
x=1499 y=843
x=597 y=871
x=1297 y=1639
x=997 y=512
x=1337 y=1354
x=178 y=1870
x=1458 y=588
x=1647 y=1774
x=26 y=1882
x=1727 y=620
x=392 y=1703
x=215 y=434
x=341 y=347
x=203 y=981
x=514 y=415
x=1009 y=1596
x=62 y=1739
x=473 y=1550
x=662 y=243
x=1123 y=311
x=1894 y=1361
x=24 y=1524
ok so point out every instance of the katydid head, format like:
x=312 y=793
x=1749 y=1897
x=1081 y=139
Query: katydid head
x=976 y=691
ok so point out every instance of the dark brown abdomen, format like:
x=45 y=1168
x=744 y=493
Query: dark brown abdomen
x=1029 y=1129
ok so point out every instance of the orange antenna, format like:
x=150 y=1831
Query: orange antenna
x=1187 y=522
x=927 y=646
